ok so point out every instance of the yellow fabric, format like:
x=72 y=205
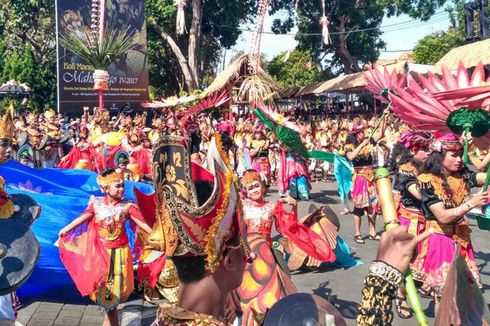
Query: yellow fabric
x=84 y=165
x=116 y=290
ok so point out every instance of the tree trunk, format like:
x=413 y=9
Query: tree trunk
x=190 y=81
x=348 y=60
x=350 y=63
x=194 y=38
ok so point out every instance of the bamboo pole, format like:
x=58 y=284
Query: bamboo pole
x=390 y=217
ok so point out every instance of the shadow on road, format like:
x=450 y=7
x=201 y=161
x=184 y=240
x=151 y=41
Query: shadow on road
x=65 y=294
x=325 y=197
x=348 y=309
x=485 y=257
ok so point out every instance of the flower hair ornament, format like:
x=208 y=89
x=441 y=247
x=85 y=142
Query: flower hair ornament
x=250 y=176
x=416 y=139
x=447 y=142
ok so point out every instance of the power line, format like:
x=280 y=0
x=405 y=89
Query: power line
x=395 y=51
x=419 y=24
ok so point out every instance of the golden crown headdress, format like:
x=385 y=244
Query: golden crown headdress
x=49 y=113
x=110 y=178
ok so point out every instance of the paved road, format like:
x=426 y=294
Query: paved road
x=65 y=307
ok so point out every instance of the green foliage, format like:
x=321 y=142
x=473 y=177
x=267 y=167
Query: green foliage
x=28 y=48
x=220 y=25
x=354 y=27
x=433 y=47
x=25 y=68
x=422 y=9
x=298 y=70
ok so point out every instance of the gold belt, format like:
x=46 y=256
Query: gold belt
x=110 y=235
x=367 y=172
x=460 y=232
x=412 y=214
x=415 y=217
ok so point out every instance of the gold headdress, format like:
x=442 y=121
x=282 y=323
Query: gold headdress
x=249 y=177
x=49 y=114
x=110 y=178
x=7 y=126
x=31 y=118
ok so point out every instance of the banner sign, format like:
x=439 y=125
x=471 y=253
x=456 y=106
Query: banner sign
x=128 y=81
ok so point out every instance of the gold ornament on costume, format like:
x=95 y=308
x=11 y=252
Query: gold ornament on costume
x=457 y=186
x=7 y=126
x=191 y=228
x=7 y=207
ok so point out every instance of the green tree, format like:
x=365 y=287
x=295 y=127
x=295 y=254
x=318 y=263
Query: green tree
x=212 y=25
x=354 y=27
x=432 y=48
x=25 y=68
x=297 y=70
x=29 y=49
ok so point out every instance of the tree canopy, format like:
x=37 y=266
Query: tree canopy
x=29 y=48
x=183 y=62
x=298 y=70
x=354 y=27
x=432 y=48
x=212 y=25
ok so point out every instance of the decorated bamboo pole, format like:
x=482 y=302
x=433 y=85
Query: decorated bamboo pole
x=466 y=144
x=487 y=179
x=385 y=193
x=381 y=119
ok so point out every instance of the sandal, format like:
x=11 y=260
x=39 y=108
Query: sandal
x=374 y=237
x=403 y=311
x=358 y=238
x=426 y=293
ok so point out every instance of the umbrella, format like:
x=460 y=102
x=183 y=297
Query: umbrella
x=292 y=139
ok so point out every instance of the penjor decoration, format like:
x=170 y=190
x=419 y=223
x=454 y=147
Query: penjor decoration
x=180 y=20
x=99 y=47
x=324 y=23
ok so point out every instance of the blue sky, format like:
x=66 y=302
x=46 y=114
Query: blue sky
x=400 y=33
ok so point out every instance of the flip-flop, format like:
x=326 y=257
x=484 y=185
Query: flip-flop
x=358 y=238
x=374 y=237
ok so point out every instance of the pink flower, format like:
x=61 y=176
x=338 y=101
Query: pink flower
x=28 y=186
